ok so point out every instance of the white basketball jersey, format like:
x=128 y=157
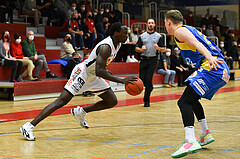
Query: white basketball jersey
x=91 y=61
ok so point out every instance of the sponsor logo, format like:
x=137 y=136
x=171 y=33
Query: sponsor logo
x=78 y=85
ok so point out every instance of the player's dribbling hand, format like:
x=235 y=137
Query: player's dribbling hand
x=213 y=62
x=129 y=79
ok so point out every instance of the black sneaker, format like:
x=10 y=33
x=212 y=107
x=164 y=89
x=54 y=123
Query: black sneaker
x=50 y=75
x=146 y=104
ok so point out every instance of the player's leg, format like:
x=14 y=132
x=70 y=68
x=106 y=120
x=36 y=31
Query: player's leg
x=62 y=100
x=109 y=101
x=185 y=104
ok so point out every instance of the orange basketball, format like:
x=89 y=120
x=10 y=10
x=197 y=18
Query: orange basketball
x=134 y=89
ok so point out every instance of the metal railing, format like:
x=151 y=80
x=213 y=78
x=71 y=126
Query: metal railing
x=126 y=19
x=139 y=25
x=109 y=5
x=153 y=11
x=213 y=39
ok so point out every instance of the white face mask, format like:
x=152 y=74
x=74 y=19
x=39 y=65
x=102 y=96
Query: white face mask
x=18 y=40
x=129 y=31
x=95 y=13
x=168 y=53
x=107 y=10
x=73 y=8
x=31 y=37
x=83 y=8
x=101 y=12
x=221 y=45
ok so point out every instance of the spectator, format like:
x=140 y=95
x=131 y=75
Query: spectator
x=29 y=50
x=61 y=6
x=88 y=6
x=95 y=17
x=76 y=59
x=129 y=47
x=134 y=36
x=10 y=7
x=164 y=64
x=46 y=9
x=102 y=28
x=73 y=28
x=204 y=29
x=228 y=41
x=7 y=60
x=92 y=30
x=16 y=51
x=205 y=20
x=30 y=8
x=209 y=31
x=3 y=10
x=189 y=19
x=217 y=33
x=100 y=14
x=71 y=11
x=115 y=16
x=221 y=46
x=106 y=12
x=82 y=10
x=234 y=53
x=67 y=49
x=178 y=63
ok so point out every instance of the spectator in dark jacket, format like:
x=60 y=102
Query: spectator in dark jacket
x=233 y=52
x=71 y=64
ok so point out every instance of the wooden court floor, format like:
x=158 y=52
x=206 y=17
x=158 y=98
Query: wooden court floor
x=128 y=131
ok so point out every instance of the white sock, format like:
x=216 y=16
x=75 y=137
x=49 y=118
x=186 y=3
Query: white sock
x=203 y=125
x=190 y=134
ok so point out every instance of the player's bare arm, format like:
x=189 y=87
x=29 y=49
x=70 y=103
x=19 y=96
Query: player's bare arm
x=103 y=52
x=184 y=35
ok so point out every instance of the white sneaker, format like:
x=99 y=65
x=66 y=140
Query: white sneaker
x=129 y=59
x=27 y=131
x=79 y=114
x=133 y=58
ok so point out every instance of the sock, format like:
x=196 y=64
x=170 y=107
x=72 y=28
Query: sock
x=203 y=125
x=190 y=134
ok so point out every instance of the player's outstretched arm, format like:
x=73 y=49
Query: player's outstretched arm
x=103 y=53
x=184 y=35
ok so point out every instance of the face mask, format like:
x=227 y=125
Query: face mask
x=101 y=12
x=206 y=17
x=7 y=36
x=107 y=10
x=190 y=15
x=203 y=28
x=83 y=8
x=31 y=37
x=221 y=45
x=95 y=13
x=129 y=31
x=168 y=53
x=18 y=40
x=73 y=8
x=89 y=16
x=135 y=32
x=176 y=52
x=69 y=39
x=74 y=19
x=76 y=59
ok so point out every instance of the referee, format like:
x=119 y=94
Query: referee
x=148 y=44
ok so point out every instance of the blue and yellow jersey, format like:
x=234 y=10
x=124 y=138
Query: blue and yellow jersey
x=192 y=54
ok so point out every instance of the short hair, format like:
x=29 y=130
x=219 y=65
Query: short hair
x=116 y=27
x=75 y=53
x=16 y=36
x=175 y=16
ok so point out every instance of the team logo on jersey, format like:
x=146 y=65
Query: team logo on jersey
x=78 y=85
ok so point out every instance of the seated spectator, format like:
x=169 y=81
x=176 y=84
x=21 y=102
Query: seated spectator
x=61 y=6
x=204 y=29
x=130 y=48
x=189 y=19
x=82 y=10
x=106 y=12
x=178 y=63
x=233 y=52
x=67 y=49
x=163 y=67
x=217 y=33
x=115 y=16
x=73 y=28
x=11 y=5
x=135 y=35
x=88 y=6
x=92 y=30
x=16 y=51
x=221 y=46
x=209 y=31
x=71 y=11
x=30 y=8
x=76 y=59
x=102 y=28
x=46 y=9
x=39 y=61
x=7 y=60
x=205 y=20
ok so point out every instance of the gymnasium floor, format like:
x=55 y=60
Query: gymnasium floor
x=124 y=132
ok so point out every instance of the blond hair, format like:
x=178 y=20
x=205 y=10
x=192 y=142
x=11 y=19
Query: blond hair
x=175 y=16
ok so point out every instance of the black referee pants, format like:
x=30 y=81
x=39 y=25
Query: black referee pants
x=147 y=68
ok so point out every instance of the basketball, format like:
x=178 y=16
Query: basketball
x=134 y=89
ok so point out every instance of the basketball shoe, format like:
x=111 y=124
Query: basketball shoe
x=207 y=139
x=185 y=148
x=79 y=114
x=27 y=131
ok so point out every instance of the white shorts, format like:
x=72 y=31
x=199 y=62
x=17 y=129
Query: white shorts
x=81 y=81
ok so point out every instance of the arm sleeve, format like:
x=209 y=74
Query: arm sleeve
x=139 y=42
x=161 y=42
x=1 y=51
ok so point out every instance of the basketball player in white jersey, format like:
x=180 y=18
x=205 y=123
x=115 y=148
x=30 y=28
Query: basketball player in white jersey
x=88 y=75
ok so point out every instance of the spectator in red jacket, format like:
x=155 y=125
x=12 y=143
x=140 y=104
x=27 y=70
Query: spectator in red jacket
x=92 y=30
x=16 y=51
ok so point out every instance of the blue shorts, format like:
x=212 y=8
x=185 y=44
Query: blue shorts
x=207 y=82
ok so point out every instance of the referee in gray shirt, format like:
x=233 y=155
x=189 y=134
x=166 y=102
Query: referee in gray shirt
x=149 y=43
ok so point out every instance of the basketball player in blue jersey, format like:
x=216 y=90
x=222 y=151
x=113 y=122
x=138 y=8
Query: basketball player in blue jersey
x=88 y=75
x=212 y=74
